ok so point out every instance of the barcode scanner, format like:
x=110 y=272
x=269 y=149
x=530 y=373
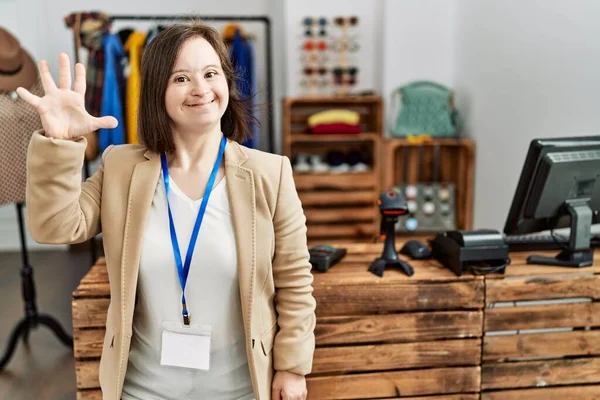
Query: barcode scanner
x=391 y=206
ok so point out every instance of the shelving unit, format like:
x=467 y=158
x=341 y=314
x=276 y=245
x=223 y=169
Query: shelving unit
x=338 y=206
x=407 y=162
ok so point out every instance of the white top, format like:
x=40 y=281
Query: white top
x=212 y=295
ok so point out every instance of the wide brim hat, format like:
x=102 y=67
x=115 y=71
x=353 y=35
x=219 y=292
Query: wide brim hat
x=17 y=68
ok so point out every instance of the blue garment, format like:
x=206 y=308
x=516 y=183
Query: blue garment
x=242 y=57
x=111 y=92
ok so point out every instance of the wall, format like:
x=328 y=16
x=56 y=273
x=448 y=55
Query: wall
x=418 y=43
x=523 y=72
x=39 y=26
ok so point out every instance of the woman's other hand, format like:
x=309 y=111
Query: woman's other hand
x=62 y=109
x=288 y=386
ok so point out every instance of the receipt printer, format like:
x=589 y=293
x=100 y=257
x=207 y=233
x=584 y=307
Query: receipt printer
x=480 y=251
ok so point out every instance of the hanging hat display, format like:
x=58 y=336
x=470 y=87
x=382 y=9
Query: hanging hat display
x=17 y=68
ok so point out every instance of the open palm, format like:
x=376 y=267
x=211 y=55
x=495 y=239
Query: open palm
x=62 y=110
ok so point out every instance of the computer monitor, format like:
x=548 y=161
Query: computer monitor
x=559 y=187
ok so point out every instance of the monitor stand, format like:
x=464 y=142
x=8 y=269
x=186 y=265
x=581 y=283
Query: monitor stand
x=578 y=254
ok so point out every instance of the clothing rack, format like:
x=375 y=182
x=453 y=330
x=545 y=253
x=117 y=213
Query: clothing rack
x=218 y=18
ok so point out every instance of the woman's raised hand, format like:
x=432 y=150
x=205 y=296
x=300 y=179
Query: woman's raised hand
x=62 y=109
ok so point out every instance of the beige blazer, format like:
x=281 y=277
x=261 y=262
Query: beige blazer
x=270 y=230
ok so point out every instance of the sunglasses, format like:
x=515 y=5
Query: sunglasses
x=342 y=21
x=310 y=45
x=314 y=71
x=309 y=21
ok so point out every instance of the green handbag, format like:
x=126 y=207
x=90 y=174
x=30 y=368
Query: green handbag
x=427 y=108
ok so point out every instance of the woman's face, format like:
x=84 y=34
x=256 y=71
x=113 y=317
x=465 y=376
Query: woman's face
x=197 y=93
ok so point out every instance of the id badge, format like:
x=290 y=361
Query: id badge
x=185 y=346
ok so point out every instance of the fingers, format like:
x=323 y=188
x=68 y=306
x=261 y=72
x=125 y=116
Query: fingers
x=79 y=85
x=64 y=72
x=107 y=122
x=46 y=77
x=28 y=97
x=276 y=394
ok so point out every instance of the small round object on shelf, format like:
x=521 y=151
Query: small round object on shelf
x=411 y=224
x=412 y=206
x=444 y=194
x=411 y=191
x=428 y=207
x=428 y=192
x=445 y=208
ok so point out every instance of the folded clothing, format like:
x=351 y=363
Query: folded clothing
x=335 y=128
x=334 y=116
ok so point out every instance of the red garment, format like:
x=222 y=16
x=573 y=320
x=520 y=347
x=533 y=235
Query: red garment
x=335 y=128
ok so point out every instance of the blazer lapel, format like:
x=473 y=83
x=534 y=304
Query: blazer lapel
x=141 y=192
x=242 y=200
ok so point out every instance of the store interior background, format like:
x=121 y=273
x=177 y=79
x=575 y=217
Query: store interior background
x=520 y=70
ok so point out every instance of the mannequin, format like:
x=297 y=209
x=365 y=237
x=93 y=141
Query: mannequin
x=18 y=121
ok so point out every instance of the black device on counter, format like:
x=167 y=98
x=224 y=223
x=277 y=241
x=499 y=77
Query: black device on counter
x=559 y=187
x=324 y=257
x=391 y=206
x=481 y=251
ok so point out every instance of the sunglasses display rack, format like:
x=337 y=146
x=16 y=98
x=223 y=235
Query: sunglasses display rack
x=328 y=52
x=339 y=204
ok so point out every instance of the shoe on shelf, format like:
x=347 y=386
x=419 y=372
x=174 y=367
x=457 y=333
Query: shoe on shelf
x=337 y=162
x=302 y=166
x=356 y=161
x=318 y=166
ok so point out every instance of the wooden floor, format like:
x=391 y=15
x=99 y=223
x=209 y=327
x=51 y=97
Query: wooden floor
x=45 y=369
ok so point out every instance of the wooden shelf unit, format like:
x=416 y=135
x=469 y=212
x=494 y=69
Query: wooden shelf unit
x=338 y=206
x=457 y=165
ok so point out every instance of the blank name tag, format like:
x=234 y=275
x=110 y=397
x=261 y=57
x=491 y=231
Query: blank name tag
x=185 y=346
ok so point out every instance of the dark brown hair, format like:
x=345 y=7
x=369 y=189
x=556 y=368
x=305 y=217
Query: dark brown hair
x=158 y=60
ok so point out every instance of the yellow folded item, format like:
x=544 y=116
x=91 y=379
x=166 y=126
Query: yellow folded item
x=333 y=117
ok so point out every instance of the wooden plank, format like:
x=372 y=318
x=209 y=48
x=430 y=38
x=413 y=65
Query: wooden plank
x=89 y=394
x=542 y=317
x=337 y=214
x=354 y=270
x=364 y=180
x=399 y=383
x=350 y=229
x=544 y=287
x=337 y=197
x=554 y=344
x=519 y=266
x=89 y=313
x=87 y=374
x=398 y=296
x=540 y=373
x=88 y=342
x=384 y=357
x=591 y=392
x=404 y=327
x=465 y=396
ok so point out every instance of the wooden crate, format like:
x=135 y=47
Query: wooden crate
x=550 y=317
x=396 y=336
x=337 y=206
x=457 y=166
x=89 y=309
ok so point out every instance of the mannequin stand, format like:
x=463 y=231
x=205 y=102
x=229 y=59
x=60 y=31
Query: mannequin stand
x=32 y=318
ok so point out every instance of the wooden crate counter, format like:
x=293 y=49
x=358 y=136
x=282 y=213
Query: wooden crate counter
x=376 y=337
x=396 y=336
x=542 y=337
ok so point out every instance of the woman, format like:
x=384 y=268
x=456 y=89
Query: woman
x=235 y=322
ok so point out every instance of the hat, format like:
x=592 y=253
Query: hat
x=17 y=68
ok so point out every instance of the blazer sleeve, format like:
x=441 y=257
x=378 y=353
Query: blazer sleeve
x=295 y=342
x=61 y=209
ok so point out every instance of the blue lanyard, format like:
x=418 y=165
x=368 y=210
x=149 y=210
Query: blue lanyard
x=184 y=269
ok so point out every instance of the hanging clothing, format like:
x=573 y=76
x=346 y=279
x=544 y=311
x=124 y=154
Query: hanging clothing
x=111 y=93
x=18 y=121
x=134 y=46
x=242 y=57
x=92 y=28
